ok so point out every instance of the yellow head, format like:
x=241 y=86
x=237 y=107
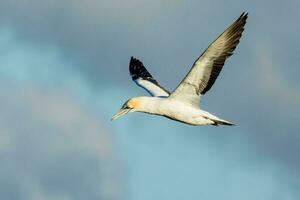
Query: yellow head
x=133 y=103
x=130 y=106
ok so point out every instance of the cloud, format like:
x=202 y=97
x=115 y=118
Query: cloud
x=273 y=84
x=276 y=104
x=92 y=33
x=61 y=50
x=102 y=35
x=167 y=160
x=52 y=149
x=52 y=146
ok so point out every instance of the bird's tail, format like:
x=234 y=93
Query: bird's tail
x=222 y=122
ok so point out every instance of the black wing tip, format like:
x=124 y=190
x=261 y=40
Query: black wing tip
x=243 y=17
x=134 y=61
x=138 y=70
x=134 y=67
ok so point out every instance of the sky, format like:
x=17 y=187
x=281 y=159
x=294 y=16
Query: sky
x=64 y=73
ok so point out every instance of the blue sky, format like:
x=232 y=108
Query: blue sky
x=64 y=72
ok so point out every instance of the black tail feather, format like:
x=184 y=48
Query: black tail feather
x=217 y=123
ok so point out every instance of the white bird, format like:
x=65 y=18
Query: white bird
x=183 y=104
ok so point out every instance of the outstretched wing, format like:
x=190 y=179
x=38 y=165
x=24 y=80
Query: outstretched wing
x=207 y=67
x=143 y=78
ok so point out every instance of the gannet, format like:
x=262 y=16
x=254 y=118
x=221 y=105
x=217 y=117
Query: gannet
x=183 y=104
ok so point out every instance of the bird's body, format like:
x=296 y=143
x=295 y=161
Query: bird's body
x=176 y=110
x=183 y=104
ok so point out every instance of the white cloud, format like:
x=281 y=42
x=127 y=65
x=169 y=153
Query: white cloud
x=48 y=142
x=52 y=130
x=52 y=146
x=272 y=82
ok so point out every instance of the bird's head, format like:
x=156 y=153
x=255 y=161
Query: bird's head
x=131 y=105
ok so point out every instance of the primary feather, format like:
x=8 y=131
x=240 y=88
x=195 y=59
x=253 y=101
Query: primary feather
x=208 y=66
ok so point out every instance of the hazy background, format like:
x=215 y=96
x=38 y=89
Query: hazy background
x=64 y=73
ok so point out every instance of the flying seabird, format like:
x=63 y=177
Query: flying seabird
x=183 y=104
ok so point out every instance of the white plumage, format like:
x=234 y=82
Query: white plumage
x=183 y=104
x=152 y=88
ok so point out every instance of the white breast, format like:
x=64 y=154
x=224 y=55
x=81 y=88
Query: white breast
x=179 y=111
x=176 y=110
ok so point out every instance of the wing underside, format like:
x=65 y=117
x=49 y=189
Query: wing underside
x=208 y=66
x=144 y=79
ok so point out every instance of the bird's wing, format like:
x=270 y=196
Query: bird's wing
x=207 y=67
x=144 y=79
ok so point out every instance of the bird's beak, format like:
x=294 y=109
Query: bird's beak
x=120 y=113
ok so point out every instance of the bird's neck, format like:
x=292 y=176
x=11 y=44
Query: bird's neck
x=149 y=105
